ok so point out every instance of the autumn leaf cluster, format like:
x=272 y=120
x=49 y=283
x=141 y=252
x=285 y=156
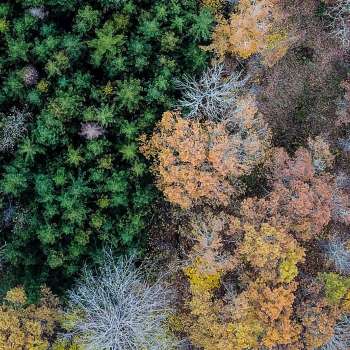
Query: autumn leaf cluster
x=25 y=326
x=255 y=27
x=197 y=161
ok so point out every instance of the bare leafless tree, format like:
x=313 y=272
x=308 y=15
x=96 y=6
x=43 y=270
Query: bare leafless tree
x=338 y=254
x=121 y=309
x=38 y=12
x=212 y=95
x=341 y=337
x=342 y=181
x=344 y=144
x=30 y=75
x=340 y=25
x=12 y=128
x=341 y=199
x=91 y=131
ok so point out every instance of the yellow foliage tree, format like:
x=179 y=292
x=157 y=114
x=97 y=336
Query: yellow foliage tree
x=26 y=326
x=203 y=322
x=262 y=314
x=214 y=5
x=66 y=345
x=259 y=316
x=204 y=273
x=272 y=252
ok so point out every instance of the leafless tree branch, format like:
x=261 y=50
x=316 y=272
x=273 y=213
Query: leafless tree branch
x=121 y=310
x=212 y=95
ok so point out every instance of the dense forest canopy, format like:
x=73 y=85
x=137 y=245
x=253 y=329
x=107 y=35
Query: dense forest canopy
x=80 y=81
x=174 y=175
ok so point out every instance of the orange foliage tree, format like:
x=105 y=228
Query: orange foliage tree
x=202 y=161
x=300 y=200
x=318 y=317
x=254 y=28
x=270 y=308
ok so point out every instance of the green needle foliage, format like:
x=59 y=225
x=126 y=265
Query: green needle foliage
x=93 y=75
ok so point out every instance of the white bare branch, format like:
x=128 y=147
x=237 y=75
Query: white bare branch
x=340 y=16
x=12 y=128
x=341 y=337
x=339 y=255
x=121 y=310
x=212 y=95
